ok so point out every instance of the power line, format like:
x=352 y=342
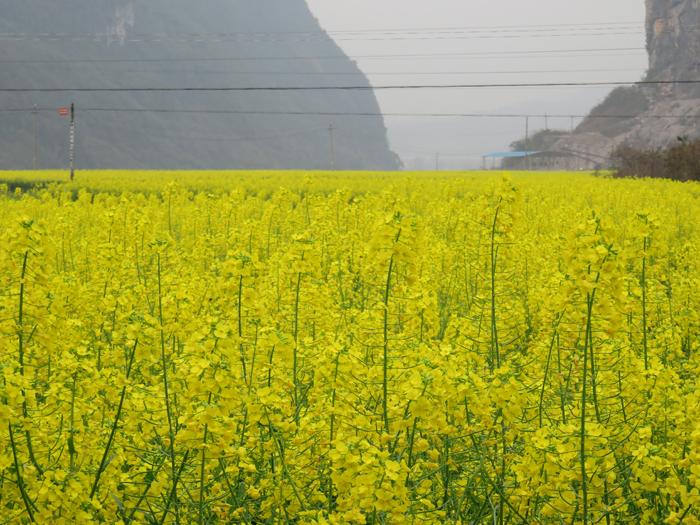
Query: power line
x=507 y=26
x=368 y=87
x=536 y=52
x=264 y=38
x=307 y=131
x=491 y=28
x=379 y=73
x=531 y=28
x=507 y=31
x=353 y=114
x=518 y=28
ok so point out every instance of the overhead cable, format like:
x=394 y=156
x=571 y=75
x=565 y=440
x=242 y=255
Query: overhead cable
x=367 y=87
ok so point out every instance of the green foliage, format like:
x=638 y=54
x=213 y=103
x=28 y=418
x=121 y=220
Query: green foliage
x=680 y=162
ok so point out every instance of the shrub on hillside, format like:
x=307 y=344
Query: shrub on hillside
x=679 y=162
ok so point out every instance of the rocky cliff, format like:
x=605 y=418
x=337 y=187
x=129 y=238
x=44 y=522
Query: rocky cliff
x=659 y=114
x=673 y=43
x=174 y=43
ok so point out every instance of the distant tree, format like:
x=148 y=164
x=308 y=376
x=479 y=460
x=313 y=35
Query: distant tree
x=540 y=140
x=679 y=162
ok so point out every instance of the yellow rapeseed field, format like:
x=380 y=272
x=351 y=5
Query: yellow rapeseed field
x=349 y=348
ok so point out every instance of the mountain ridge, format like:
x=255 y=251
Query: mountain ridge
x=173 y=43
x=673 y=46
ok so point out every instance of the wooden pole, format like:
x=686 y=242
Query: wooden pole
x=35 y=153
x=331 y=132
x=527 y=142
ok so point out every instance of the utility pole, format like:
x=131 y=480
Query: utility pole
x=331 y=133
x=546 y=121
x=527 y=142
x=437 y=161
x=36 y=138
x=72 y=142
x=572 y=123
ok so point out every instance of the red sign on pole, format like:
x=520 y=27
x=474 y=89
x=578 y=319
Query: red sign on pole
x=64 y=112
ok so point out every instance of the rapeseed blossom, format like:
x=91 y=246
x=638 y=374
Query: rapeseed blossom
x=349 y=348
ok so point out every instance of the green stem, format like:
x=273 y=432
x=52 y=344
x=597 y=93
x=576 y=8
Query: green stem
x=332 y=434
x=285 y=470
x=71 y=431
x=150 y=479
x=546 y=369
x=411 y=440
x=20 y=480
x=385 y=362
x=164 y=365
x=201 y=473
x=241 y=348
x=173 y=493
x=295 y=364
x=644 y=305
x=584 y=475
x=21 y=345
x=269 y=368
x=103 y=463
x=495 y=360
x=446 y=475
x=385 y=332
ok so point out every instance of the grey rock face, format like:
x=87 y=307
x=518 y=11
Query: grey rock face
x=673 y=41
x=673 y=44
x=179 y=43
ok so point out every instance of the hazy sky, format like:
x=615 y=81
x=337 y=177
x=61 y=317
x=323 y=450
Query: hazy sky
x=505 y=41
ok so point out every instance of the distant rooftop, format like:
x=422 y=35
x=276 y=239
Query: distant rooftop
x=510 y=154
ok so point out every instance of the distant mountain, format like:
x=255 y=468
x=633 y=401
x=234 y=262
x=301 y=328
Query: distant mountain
x=673 y=44
x=461 y=143
x=178 y=43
